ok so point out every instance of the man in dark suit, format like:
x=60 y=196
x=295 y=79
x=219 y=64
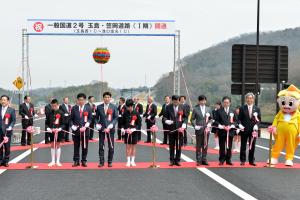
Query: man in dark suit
x=161 y=114
x=91 y=100
x=201 y=121
x=150 y=114
x=26 y=110
x=7 y=122
x=121 y=110
x=187 y=110
x=139 y=108
x=176 y=119
x=48 y=110
x=226 y=120
x=81 y=116
x=106 y=118
x=249 y=118
x=66 y=109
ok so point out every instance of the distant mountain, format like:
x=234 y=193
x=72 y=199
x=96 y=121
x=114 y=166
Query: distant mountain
x=209 y=71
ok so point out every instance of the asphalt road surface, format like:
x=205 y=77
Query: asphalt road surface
x=141 y=182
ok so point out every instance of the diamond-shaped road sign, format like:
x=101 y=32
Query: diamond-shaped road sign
x=18 y=83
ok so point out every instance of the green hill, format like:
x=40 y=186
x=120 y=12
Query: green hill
x=209 y=71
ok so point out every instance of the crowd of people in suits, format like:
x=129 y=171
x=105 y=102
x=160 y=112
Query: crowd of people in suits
x=228 y=125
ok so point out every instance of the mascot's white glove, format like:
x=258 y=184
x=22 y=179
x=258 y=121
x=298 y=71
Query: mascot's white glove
x=87 y=125
x=169 y=122
x=197 y=128
x=49 y=130
x=255 y=128
x=26 y=117
x=220 y=126
x=110 y=126
x=74 y=128
x=241 y=127
x=98 y=126
x=183 y=126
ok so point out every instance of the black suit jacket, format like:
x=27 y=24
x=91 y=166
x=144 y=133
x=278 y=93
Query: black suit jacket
x=52 y=118
x=11 y=120
x=23 y=110
x=102 y=118
x=66 y=112
x=150 y=111
x=247 y=121
x=224 y=119
x=170 y=115
x=75 y=116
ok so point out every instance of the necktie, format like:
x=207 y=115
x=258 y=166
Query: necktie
x=226 y=109
x=250 y=111
x=80 y=112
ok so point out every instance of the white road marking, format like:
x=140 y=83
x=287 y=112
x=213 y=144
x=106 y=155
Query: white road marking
x=266 y=148
x=26 y=153
x=242 y=194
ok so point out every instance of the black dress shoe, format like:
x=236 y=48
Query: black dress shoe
x=147 y=142
x=198 y=164
x=76 y=164
x=23 y=145
x=242 y=163
x=67 y=140
x=177 y=164
x=83 y=164
x=101 y=165
x=171 y=164
x=205 y=163
x=252 y=163
x=5 y=164
x=109 y=165
x=221 y=163
x=163 y=143
x=229 y=163
x=47 y=142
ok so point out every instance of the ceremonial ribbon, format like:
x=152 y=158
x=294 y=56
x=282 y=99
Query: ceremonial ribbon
x=82 y=130
x=254 y=135
x=227 y=128
x=5 y=140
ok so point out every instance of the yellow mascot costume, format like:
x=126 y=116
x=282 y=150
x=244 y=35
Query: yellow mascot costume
x=286 y=125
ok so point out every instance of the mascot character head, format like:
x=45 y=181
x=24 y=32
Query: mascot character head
x=288 y=99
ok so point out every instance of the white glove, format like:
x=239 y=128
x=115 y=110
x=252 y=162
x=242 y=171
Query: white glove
x=220 y=126
x=110 y=126
x=183 y=126
x=74 y=128
x=169 y=122
x=120 y=115
x=255 y=128
x=98 y=126
x=59 y=129
x=26 y=117
x=36 y=116
x=66 y=114
x=49 y=130
x=9 y=128
x=122 y=130
x=87 y=125
x=208 y=125
x=232 y=126
x=255 y=114
x=149 y=117
x=141 y=116
x=93 y=113
x=241 y=127
x=197 y=128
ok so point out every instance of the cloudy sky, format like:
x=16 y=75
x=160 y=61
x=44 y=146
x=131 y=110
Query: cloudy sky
x=62 y=61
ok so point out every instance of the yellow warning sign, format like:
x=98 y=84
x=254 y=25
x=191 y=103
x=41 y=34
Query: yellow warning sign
x=19 y=83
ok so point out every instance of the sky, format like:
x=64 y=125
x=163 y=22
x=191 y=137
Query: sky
x=135 y=61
